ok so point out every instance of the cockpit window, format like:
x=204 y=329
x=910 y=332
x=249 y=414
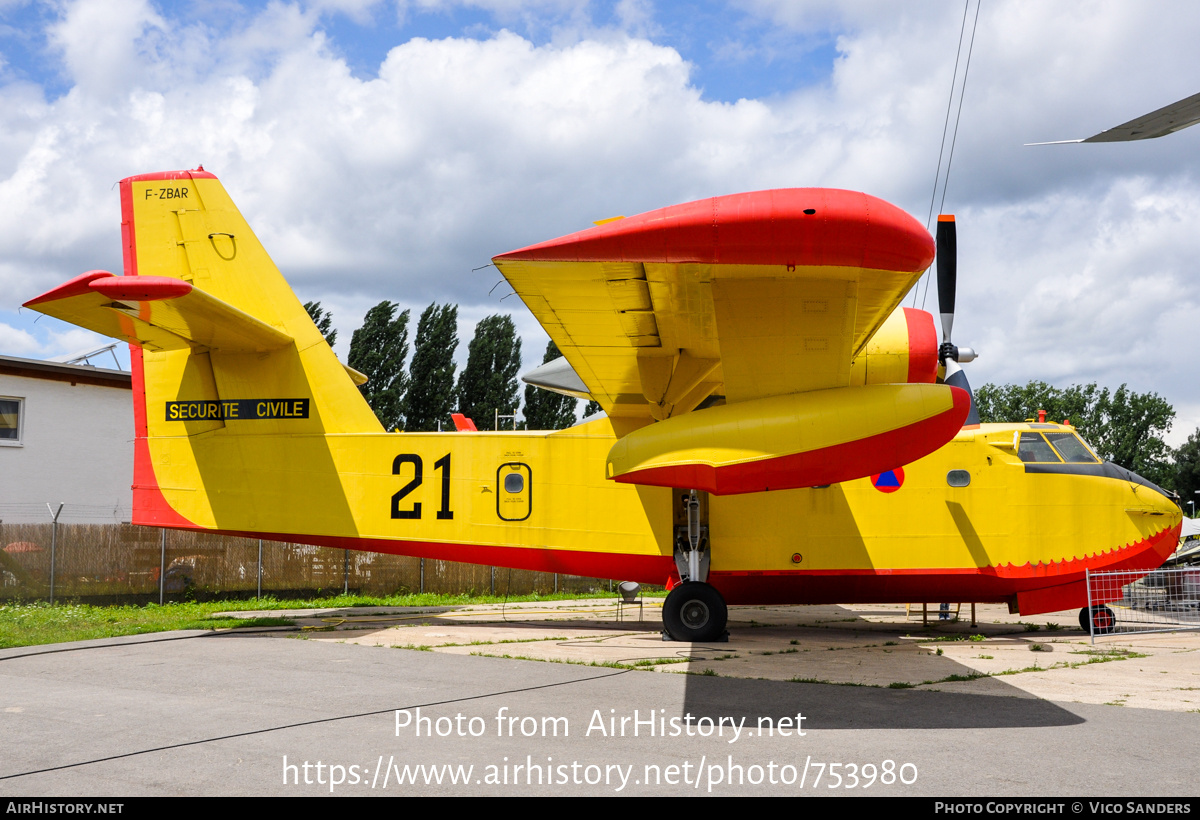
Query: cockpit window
x=1034 y=448
x=1071 y=448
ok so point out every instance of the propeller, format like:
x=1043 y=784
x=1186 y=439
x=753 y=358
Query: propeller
x=947 y=278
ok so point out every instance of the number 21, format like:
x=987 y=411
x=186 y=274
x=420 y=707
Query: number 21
x=443 y=464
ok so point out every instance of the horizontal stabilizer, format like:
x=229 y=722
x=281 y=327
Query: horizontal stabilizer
x=157 y=313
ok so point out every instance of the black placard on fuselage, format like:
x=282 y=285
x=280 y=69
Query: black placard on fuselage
x=237 y=410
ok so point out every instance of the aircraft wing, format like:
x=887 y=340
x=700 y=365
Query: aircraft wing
x=1166 y=120
x=745 y=296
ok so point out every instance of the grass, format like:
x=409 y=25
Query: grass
x=656 y=662
x=950 y=639
x=567 y=661
x=1105 y=655
x=39 y=623
x=35 y=624
x=969 y=677
x=831 y=683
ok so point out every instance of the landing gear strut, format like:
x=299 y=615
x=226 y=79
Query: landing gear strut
x=1097 y=620
x=695 y=612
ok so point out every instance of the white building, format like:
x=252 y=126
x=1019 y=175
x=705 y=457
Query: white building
x=66 y=435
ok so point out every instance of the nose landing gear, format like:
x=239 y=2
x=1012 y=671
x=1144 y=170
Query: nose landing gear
x=1097 y=620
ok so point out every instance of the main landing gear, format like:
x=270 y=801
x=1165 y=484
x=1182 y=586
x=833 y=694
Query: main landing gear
x=694 y=611
x=1100 y=619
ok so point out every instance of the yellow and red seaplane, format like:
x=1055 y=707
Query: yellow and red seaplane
x=778 y=429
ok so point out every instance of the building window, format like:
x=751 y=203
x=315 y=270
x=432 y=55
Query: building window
x=10 y=420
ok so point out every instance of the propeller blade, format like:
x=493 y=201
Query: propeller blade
x=947 y=271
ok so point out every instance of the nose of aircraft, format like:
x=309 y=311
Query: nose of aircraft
x=1158 y=508
x=1150 y=493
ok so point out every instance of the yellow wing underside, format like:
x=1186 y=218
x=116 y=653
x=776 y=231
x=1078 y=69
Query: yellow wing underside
x=657 y=339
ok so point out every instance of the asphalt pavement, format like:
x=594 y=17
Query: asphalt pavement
x=564 y=699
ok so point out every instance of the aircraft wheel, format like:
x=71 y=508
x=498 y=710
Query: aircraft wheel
x=1103 y=620
x=695 y=612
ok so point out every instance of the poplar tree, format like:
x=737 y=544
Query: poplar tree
x=378 y=350
x=489 y=381
x=323 y=319
x=545 y=409
x=430 y=396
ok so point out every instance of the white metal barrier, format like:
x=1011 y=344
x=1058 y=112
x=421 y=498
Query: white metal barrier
x=1132 y=601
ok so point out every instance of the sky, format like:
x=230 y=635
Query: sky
x=387 y=149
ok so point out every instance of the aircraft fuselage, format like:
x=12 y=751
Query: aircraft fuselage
x=970 y=522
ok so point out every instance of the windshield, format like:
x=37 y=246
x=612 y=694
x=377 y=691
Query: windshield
x=1071 y=448
x=1055 y=448
x=1035 y=448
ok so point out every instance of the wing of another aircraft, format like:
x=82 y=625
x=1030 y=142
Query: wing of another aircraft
x=1166 y=120
x=744 y=296
x=764 y=300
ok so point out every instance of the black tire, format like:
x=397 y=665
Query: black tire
x=695 y=612
x=1099 y=620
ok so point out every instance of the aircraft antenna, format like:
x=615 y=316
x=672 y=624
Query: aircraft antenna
x=937 y=176
x=962 y=93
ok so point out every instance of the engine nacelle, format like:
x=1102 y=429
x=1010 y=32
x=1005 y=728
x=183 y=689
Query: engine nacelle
x=904 y=350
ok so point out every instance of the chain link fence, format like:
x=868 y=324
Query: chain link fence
x=122 y=563
x=1131 y=601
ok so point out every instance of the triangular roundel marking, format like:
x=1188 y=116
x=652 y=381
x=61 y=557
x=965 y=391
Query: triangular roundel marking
x=889 y=481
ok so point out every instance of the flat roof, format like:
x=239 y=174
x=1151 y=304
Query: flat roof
x=57 y=371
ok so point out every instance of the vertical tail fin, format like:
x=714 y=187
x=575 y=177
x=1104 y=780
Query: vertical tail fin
x=221 y=348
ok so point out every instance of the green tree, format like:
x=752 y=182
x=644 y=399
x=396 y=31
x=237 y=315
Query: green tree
x=1132 y=433
x=430 y=396
x=489 y=381
x=545 y=409
x=1187 y=470
x=323 y=319
x=1125 y=427
x=1018 y=402
x=378 y=350
x=591 y=408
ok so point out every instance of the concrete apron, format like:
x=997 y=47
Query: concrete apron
x=877 y=645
